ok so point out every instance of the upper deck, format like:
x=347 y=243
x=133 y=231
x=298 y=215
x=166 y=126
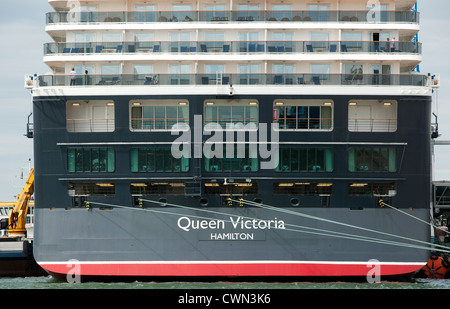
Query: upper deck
x=342 y=42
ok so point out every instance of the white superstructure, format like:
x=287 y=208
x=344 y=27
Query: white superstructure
x=338 y=42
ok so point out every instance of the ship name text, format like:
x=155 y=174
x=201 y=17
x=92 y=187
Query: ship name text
x=187 y=224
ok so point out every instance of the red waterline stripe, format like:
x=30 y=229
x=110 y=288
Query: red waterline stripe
x=228 y=269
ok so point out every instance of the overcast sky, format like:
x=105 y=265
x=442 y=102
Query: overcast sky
x=22 y=36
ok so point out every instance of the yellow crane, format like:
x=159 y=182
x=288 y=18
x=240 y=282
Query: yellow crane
x=18 y=216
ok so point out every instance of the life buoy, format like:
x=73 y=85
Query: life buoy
x=436 y=267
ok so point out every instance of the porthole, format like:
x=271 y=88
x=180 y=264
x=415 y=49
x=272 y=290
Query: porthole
x=295 y=202
x=204 y=201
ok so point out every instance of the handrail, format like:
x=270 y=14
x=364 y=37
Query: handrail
x=231 y=16
x=372 y=124
x=224 y=47
x=299 y=79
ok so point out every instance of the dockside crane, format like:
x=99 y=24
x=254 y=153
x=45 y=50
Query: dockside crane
x=17 y=217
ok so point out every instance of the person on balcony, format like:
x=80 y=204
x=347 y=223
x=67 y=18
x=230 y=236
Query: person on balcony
x=73 y=77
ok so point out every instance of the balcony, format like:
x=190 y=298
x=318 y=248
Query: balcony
x=232 y=16
x=232 y=47
x=151 y=80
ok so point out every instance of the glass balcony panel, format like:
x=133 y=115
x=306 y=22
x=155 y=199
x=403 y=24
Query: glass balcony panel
x=218 y=13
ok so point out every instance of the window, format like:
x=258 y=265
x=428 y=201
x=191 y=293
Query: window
x=303 y=114
x=372 y=159
x=215 y=12
x=232 y=188
x=319 y=41
x=177 y=40
x=231 y=114
x=381 y=74
x=372 y=116
x=91 y=189
x=249 y=42
x=321 y=69
x=353 y=41
x=84 y=42
x=110 y=69
x=302 y=159
x=249 y=73
x=111 y=37
x=157 y=188
x=142 y=69
x=157 y=159
x=248 y=12
x=283 y=73
x=179 y=74
x=90 y=160
x=213 y=69
x=181 y=12
x=90 y=116
x=158 y=115
x=282 y=12
x=88 y=13
x=318 y=12
x=244 y=159
x=144 y=41
x=353 y=69
x=372 y=189
x=145 y=13
x=303 y=188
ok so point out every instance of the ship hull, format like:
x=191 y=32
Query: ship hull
x=175 y=242
x=179 y=232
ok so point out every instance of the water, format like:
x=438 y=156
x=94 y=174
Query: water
x=51 y=283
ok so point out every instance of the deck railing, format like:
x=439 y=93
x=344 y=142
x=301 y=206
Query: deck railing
x=233 y=79
x=272 y=47
x=233 y=16
x=372 y=125
x=90 y=125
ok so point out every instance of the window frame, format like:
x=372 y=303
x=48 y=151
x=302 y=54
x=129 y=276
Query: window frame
x=322 y=121
x=81 y=159
x=182 y=109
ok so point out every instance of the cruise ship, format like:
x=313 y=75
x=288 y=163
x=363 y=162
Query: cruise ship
x=228 y=138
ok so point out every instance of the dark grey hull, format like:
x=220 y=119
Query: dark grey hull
x=169 y=241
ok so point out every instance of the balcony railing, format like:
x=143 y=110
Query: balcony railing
x=233 y=47
x=234 y=16
x=150 y=80
x=90 y=125
x=372 y=125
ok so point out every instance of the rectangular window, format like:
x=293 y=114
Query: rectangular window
x=372 y=159
x=90 y=116
x=91 y=189
x=231 y=115
x=303 y=188
x=244 y=159
x=145 y=13
x=90 y=160
x=235 y=188
x=307 y=115
x=372 y=189
x=372 y=116
x=317 y=12
x=301 y=159
x=150 y=188
x=158 y=115
x=156 y=159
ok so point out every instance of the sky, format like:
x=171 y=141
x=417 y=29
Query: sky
x=22 y=36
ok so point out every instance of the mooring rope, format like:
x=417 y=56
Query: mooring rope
x=446 y=249
x=418 y=219
x=321 y=232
